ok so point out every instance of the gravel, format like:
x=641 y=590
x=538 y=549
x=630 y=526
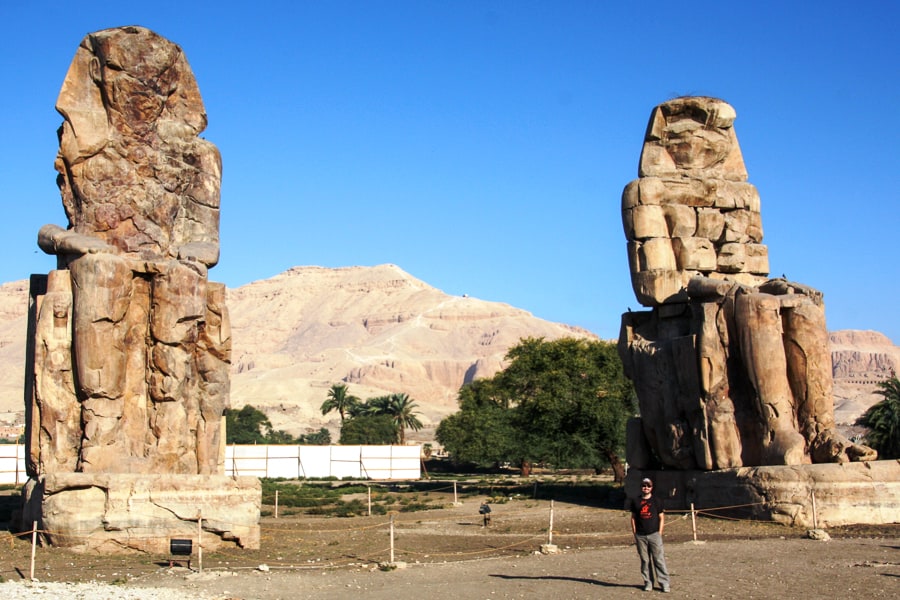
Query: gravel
x=31 y=590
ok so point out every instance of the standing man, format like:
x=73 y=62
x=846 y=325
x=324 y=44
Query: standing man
x=648 y=520
x=485 y=510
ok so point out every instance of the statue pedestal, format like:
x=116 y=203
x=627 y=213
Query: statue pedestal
x=819 y=495
x=105 y=513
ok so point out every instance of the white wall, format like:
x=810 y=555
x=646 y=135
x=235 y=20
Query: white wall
x=292 y=462
x=12 y=464
x=289 y=462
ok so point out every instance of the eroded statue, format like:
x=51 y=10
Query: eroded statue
x=131 y=341
x=731 y=368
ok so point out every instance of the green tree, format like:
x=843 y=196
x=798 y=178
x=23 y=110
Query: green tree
x=246 y=426
x=481 y=432
x=277 y=436
x=402 y=410
x=369 y=429
x=563 y=402
x=339 y=399
x=380 y=405
x=319 y=438
x=883 y=420
x=250 y=425
x=399 y=407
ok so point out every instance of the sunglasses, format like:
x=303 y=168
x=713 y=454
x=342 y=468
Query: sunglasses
x=649 y=487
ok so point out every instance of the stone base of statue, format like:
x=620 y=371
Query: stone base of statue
x=106 y=513
x=814 y=495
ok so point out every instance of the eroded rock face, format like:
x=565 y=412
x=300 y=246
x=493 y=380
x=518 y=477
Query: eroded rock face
x=132 y=344
x=731 y=368
x=691 y=212
x=112 y=513
x=822 y=495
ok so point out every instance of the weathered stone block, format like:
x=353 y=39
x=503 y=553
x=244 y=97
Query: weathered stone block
x=694 y=253
x=732 y=195
x=653 y=288
x=756 y=259
x=680 y=220
x=656 y=254
x=111 y=513
x=742 y=226
x=631 y=196
x=652 y=190
x=647 y=222
x=637 y=452
x=845 y=494
x=710 y=223
x=731 y=258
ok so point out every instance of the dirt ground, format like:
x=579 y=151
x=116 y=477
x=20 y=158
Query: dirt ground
x=446 y=553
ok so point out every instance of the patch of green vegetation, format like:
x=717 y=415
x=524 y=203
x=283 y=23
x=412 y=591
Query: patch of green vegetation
x=353 y=508
x=349 y=499
x=415 y=507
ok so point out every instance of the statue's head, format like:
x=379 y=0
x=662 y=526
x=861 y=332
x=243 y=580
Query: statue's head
x=692 y=136
x=133 y=170
x=691 y=213
x=132 y=81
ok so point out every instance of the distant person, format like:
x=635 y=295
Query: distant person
x=648 y=520
x=485 y=511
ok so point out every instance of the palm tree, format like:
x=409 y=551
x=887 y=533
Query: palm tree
x=883 y=420
x=380 y=405
x=339 y=400
x=401 y=409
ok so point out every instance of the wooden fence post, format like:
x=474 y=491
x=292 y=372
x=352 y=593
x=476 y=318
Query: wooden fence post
x=392 y=539
x=33 y=547
x=694 y=521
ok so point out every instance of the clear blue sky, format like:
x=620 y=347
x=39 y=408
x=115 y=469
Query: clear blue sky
x=482 y=146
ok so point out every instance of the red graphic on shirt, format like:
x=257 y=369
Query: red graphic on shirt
x=645 y=511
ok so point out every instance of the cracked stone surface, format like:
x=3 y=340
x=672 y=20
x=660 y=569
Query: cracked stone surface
x=127 y=370
x=731 y=368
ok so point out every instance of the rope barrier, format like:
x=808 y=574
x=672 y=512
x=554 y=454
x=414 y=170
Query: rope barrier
x=284 y=528
x=308 y=540
x=733 y=506
x=493 y=549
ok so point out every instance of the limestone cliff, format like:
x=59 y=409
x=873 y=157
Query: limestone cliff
x=377 y=329
x=860 y=360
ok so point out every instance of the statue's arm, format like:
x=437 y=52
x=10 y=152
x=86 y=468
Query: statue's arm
x=53 y=239
x=206 y=253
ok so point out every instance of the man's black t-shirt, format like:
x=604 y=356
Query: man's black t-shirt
x=646 y=514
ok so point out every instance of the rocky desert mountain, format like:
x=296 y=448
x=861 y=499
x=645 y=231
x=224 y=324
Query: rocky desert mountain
x=860 y=359
x=377 y=329
x=13 y=309
x=380 y=330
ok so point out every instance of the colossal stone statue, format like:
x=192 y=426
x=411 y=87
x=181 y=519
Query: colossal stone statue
x=131 y=341
x=731 y=368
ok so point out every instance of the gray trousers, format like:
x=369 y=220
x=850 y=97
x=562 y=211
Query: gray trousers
x=650 y=547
